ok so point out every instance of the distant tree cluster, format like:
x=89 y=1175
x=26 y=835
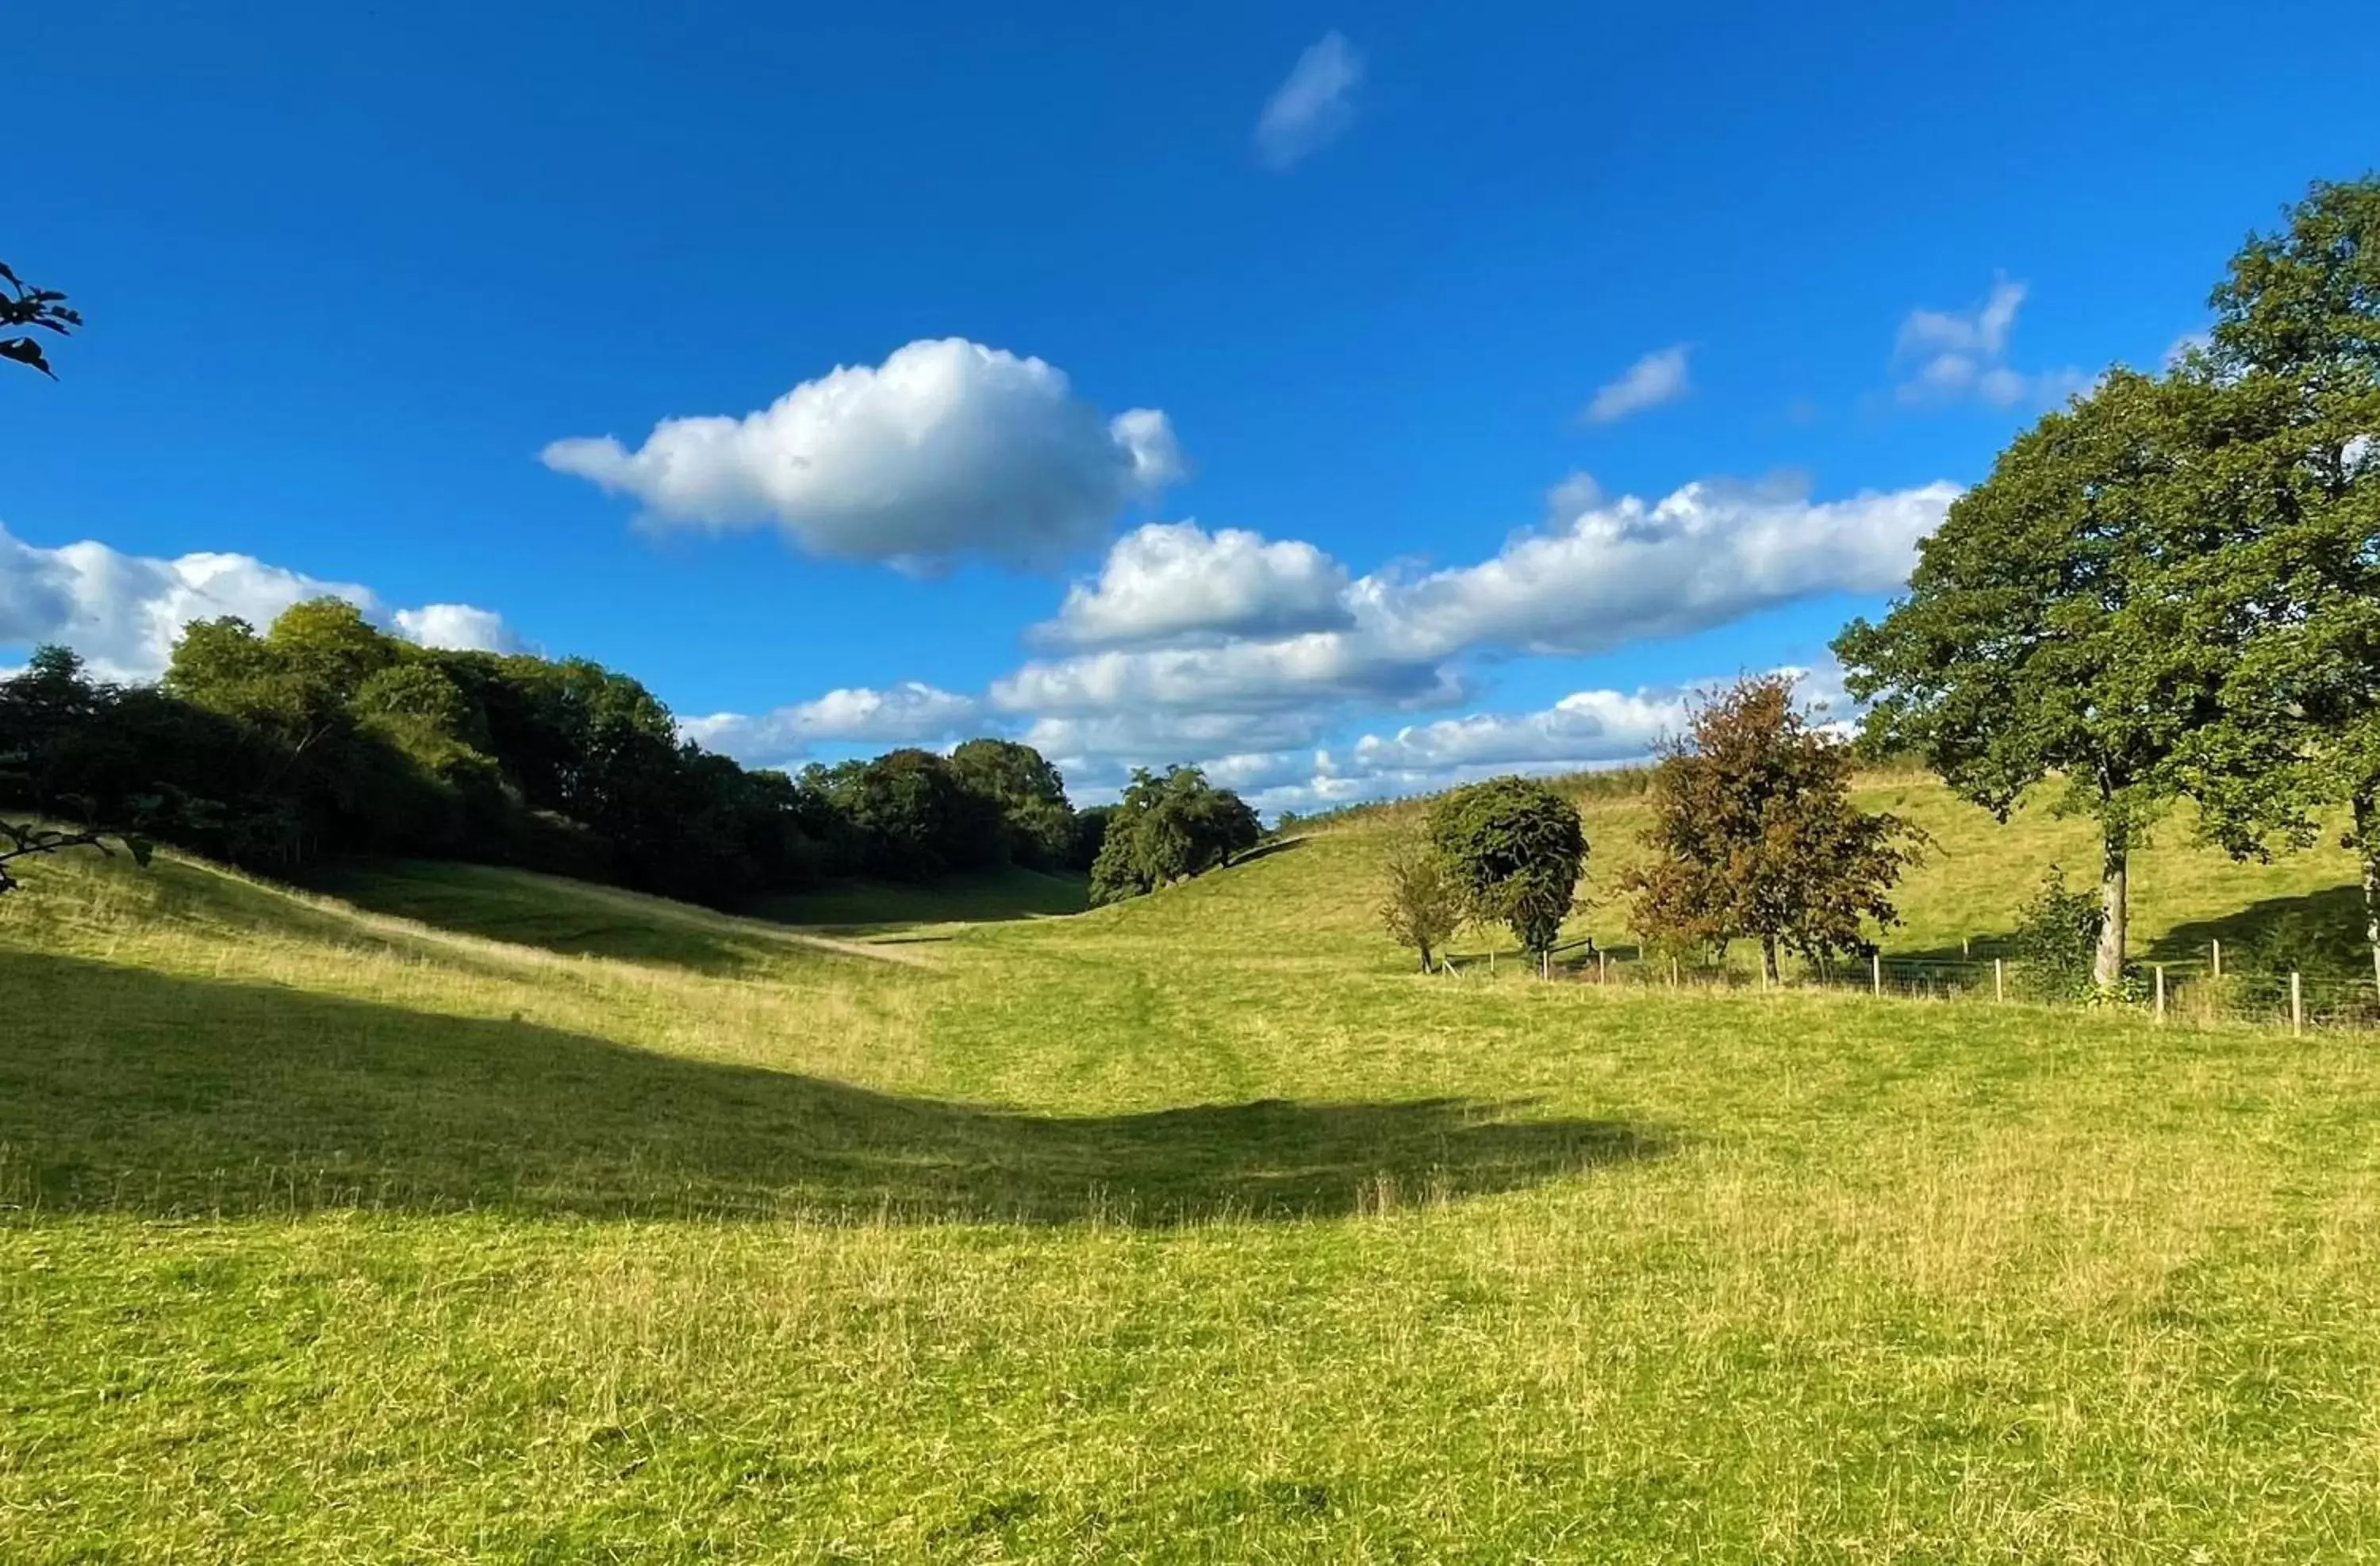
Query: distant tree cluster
x=1168 y=829
x=324 y=735
x=2170 y=589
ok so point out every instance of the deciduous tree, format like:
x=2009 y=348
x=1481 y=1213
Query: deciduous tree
x=2295 y=361
x=1167 y=829
x=23 y=305
x=1754 y=834
x=1031 y=795
x=1517 y=849
x=2053 y=627
x=1421 y=902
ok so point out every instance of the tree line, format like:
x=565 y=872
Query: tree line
x=321 y=735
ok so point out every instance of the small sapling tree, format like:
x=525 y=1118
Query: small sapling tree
x=1421 y=902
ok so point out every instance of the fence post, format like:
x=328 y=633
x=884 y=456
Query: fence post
x=1546 y=962
x=2297 y=1006
x=2160 y=992
x=1673 y=972
x=1999 y=981
x=1966 y=946
x=2217 y=944
x=1602 y=966
x=1875 y=972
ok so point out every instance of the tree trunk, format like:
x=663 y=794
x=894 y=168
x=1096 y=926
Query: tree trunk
x=2107 y=967
x=2367 y=849
x=1769 y=959
x=1425 y=956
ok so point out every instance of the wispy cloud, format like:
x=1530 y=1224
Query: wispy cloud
x=1314 y=106
x=1659 y=377
x=1950 y=355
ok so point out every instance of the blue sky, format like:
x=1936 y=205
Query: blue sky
x=352 y=274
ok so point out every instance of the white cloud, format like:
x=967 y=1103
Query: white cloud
x=909 y=713
x=1573 y=494
x=1582 y=729
x=1583 y=732
x=1626 y=569
x=1169 y=581
x=1947 y=355
x=1982 y=332
x=1659 y=377
x=123 y=612
x=1607 y=573
x=1313 y=107
x=1238 y=676
x=947 y=448
x=1158 y=734
x=458 y=627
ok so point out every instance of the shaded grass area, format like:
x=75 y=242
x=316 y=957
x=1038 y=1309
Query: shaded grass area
x=179 y=1095
x=570 y=917
x=1190 y=1230
x=880 y=907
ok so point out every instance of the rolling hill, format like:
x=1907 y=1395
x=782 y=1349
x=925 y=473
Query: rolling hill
x=450 y=1213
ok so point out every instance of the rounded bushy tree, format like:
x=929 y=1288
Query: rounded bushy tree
x=1517 y=849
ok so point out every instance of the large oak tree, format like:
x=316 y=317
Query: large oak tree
x=2056 y=624
x=2295 y=360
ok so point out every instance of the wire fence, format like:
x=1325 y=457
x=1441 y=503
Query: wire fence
x=2215 y=987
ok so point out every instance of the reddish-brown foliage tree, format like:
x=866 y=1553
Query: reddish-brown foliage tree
x=1754 y=835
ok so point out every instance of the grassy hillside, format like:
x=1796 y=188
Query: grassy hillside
x=1976 y=874
x=519 y=1220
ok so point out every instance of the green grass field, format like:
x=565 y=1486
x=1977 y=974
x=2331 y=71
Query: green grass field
x=446 y=1214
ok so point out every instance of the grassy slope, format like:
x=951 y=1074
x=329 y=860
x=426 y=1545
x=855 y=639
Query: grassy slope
x=1192 y=1228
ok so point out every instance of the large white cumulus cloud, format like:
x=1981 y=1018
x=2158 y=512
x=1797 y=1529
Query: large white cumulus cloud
x=948 y=448
x=1625 y=569
x=1208 y=629
x=458 y=627
x=1176 y=579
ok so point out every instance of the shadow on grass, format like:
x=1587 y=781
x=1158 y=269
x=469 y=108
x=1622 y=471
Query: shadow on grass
x=1267 y=850
x=2316 y=931
x=126 y=1090
x=572 y=919
x=871 y=907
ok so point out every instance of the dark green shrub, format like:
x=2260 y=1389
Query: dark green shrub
x=1517 y=849
x=2057 y=939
